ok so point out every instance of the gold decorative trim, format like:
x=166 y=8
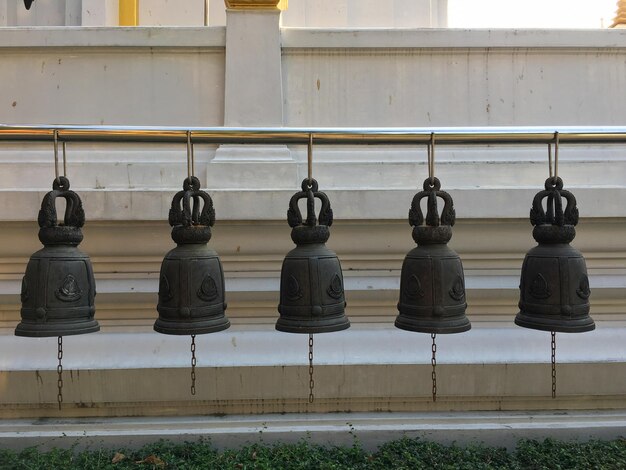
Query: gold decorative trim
x=256 y=4
x=128 y=12
x=620 y=15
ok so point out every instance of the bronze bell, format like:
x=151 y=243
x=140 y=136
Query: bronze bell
x=432 y=285
x=191 y=286
x=58 y=288
x=554 y=287
x=311 y=282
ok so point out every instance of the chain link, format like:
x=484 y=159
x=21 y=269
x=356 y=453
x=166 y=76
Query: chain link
x=193 y=364
x=60 y=370
x=433 y=362
x=553 y=350
x=311 y=381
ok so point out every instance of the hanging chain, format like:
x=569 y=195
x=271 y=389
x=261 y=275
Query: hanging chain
x=193 y=364
x=553 y=350
x=60 y=370
x=433 y=362
x=311 y=381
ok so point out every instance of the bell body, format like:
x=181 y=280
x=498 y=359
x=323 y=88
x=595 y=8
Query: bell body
x=311 y=291
x=432 y=291
x=554 y=290
x=191 y=292
x=58 y=293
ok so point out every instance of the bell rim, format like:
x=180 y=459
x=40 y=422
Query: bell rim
x=306 y=329
x=559 y=324
x=421 y=326
x=39 y=330
x=189 y=328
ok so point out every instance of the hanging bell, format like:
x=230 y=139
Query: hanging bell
x=554 y=287
x=191 y=286
x=432 y=285
x=311 y=282
x=58 y=288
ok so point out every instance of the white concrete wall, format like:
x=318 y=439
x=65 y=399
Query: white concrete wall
x=366 y=14
x=162 y=76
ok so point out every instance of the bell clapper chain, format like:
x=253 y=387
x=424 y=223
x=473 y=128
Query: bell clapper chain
x=553 y=356
x=60 y=371
x=433 y=362
x=311 y=381
x=193 y=364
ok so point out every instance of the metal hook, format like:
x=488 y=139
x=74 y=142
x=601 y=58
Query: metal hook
x=64 y=160
x=431 y=158
x=310 y=158
x=55 y=134
x=556 y=155
x=190 y=156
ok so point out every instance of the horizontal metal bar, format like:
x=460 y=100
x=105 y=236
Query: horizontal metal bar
x=322 y=136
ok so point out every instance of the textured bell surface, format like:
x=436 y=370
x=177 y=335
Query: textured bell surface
x=432 y=285
x=191 y=285
x=58 y=288
x=554 y=286
x=311 y=283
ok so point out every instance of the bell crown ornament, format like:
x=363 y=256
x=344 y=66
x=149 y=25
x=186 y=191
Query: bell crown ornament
x=432 y=284
x=554 y=285
x=58 y=288
x=311 y=286
x=191 y=285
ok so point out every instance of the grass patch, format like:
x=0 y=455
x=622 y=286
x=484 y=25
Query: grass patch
x=400 y=454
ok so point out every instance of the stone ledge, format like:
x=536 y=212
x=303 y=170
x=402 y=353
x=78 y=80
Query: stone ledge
x=499 y=429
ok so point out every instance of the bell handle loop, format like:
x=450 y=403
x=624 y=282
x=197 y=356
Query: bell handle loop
x=294 y=215
x=432 y=190
x=555 y=214
x=190 y=213
x=74 y=214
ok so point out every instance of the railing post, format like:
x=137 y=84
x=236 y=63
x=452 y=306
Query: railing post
x=253 y=96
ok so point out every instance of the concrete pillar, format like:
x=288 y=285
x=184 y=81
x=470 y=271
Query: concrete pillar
x=100 y=12
x=253 y=97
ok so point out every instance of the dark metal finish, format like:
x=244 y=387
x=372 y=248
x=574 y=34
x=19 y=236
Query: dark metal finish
x=432 y=285
x=554 y=287
x=58 y=288
x=311 y=282
x=28 y=3
x=191 y=286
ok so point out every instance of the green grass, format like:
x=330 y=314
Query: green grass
x=401 y=454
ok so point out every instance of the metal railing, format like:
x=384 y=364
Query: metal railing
x=321 y=136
